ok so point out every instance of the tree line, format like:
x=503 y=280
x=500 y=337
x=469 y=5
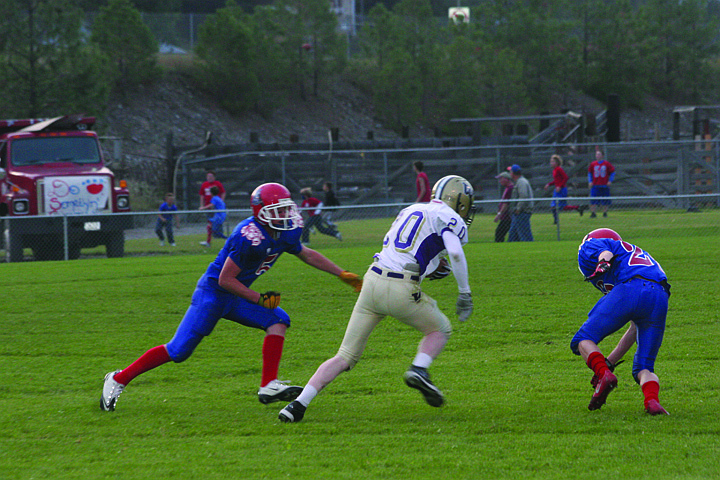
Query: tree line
x=512 y=57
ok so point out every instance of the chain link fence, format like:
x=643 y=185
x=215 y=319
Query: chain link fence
x=139 y=234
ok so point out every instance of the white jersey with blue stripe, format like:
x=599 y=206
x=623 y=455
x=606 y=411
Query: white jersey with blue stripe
x=415 y=237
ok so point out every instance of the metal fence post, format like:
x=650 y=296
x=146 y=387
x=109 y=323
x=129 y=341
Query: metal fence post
x=65 y=238
x=385 y=176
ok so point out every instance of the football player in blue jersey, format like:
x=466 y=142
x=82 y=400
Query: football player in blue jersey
x=635 y=291
x=224 y=292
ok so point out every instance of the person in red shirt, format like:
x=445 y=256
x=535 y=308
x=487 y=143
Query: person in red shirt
x=205 y=193
x=503 y=218
x=312 y=207
x=559 y=182
x=422 y=183
x=601 y=174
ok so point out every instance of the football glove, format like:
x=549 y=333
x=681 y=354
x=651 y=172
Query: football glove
x=352 y=279
x=595 y=379
x=443 y=270
x=601 y=268
x=464 y=306
x=269 y=300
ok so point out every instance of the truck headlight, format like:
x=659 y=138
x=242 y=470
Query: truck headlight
x=123 y=202
x=21 y=206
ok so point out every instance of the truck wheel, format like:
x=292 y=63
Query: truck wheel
x=48 y=250
x=73 y=252
x=115 y=245
x=13 y=246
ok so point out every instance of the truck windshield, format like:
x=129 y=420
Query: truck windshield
x=41 y=150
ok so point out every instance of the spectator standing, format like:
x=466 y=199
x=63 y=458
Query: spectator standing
x=521 y=207
x=315 y=218
x=205 y=193
x=217 y=219
x=330 y=202
x=503 y=217
x=165 y=220
x=601 y=174
x=422 y=183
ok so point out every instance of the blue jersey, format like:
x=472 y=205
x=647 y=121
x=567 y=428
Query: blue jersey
x=628 y=261
x=168 y=208
x=253 y=249
x=219 y=205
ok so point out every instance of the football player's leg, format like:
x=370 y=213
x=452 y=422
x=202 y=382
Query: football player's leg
x=651 y=330
x=275 y=323
x=199 y=321
x=608 y=315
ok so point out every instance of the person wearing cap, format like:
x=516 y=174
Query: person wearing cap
x=521 y=207
x=503 y=218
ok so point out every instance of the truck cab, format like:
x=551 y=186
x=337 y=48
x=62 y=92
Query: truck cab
x=56 y=194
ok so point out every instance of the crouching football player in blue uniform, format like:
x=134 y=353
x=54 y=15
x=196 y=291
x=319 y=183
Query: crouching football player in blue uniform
x=635 y=290
x=224 y=292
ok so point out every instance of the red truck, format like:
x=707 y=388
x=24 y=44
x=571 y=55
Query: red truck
x=56 y=194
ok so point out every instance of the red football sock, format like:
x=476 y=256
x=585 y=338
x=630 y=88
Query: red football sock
x=596 y=362
x=650 y=390
x=209 y=232
x=154 y=357
x=271 y=353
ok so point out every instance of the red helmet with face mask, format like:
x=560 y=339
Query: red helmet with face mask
x=272 y=206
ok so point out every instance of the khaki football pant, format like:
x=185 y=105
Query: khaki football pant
x=399 y=298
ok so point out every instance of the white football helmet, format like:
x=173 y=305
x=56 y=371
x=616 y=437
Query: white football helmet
x=458 y=194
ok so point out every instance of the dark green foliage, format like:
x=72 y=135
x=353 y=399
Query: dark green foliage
x=128 y=42
x=48 y=66
x=226 y=57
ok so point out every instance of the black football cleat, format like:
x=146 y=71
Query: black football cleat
x=419 y=379
x=292 y=413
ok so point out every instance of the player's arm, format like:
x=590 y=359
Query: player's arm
x=627 y=341
x=321 y=262
x=464 y=304
x=602 y=266
x=228 y=280
x=457 y=258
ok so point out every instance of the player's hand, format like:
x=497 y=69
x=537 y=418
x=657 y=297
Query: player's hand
x=601 y=269
x=352 y=279
x=441 y=272
x=464 y=306
x=269 y=300
x=595 y=379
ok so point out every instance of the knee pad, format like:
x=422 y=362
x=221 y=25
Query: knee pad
x=350 y=358
x=180 y=349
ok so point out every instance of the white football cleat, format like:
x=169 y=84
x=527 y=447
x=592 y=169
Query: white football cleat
x=277 y=390
x=111 y=392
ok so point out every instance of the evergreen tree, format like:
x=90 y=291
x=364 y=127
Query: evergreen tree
x=49 y=68
x=121 y=34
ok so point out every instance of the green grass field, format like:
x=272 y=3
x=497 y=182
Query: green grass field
x=516 y=396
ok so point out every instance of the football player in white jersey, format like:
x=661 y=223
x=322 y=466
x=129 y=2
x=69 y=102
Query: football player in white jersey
x=414 y=248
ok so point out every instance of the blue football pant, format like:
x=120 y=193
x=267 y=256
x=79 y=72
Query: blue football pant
x=209 y=305
x=639 y=301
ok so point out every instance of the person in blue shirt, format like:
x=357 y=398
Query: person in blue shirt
x=224 y=292
x=165 y=220
x=217 y=219
x=635 y=291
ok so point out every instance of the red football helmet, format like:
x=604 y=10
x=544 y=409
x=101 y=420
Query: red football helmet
x=272 y=205
x=602 y=233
